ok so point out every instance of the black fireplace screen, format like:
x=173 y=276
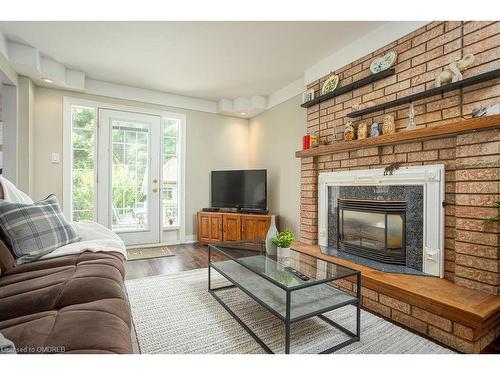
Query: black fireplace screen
x=373 y=229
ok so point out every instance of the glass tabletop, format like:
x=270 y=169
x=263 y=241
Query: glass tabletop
x=295 y=271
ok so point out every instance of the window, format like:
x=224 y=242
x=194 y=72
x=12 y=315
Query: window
x=170 y=172
x=83 y=146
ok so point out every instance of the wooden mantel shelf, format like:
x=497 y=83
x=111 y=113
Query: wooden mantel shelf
x=438 y=131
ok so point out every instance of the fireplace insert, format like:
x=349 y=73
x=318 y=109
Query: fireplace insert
x=373 y=229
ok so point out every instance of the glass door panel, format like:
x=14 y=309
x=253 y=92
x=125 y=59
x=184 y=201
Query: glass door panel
x=130 y=178
x=129 y=166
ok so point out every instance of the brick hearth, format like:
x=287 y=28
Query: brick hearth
x=472 y=160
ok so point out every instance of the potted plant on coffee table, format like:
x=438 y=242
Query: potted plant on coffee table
x=283 y=240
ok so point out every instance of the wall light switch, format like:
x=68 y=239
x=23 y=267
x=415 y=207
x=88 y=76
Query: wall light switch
x=55 y=158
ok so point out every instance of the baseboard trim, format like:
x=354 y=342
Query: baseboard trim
x=192 y=238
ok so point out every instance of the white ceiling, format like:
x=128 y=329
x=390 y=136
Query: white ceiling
x=209 y=60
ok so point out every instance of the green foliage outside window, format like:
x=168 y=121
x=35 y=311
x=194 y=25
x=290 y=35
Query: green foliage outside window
x=83 y=141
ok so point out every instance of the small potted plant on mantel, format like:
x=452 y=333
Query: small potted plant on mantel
x=283 y=240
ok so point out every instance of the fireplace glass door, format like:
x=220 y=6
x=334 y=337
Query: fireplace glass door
x=373 y=229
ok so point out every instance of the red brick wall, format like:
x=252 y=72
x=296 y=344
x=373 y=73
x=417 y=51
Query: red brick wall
x=472 y=161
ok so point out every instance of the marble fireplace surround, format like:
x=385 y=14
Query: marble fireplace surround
x=430 y=177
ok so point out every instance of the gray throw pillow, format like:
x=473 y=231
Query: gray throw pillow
x=33 y=230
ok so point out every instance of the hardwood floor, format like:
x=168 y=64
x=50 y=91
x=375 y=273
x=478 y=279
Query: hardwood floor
x=193 y=256
x=187 y=257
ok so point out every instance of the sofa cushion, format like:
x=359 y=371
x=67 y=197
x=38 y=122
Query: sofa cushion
x=97 y=327
x=71 y=304
x=53 y=284
x=33 y=230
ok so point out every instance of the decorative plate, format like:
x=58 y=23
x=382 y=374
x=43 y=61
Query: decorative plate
x=330 y=84
x=384 y=62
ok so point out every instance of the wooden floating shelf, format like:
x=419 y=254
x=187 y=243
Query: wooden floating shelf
x=454 y=128
x=425 y=94
x=351 y=86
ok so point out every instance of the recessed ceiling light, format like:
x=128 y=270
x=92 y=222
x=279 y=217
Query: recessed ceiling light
x=243 y=113
x=47 y=80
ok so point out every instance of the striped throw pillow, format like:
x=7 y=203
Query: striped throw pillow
x=33 y=230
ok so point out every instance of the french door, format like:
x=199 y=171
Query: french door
x=128 y=199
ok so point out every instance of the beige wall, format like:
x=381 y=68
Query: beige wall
x=274 y=136
x=25 y=132
x=212 y=142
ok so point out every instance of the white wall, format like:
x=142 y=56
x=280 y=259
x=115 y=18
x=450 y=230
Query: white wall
x=381 y=36
x=274 y=136
x=212 y=142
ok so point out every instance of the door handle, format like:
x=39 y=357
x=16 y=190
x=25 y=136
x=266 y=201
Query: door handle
x=155 y=180
x=155 y=190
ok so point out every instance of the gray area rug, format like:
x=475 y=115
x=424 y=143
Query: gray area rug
x=175 y=314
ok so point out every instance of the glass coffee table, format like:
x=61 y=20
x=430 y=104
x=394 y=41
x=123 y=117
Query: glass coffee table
x=292 y=288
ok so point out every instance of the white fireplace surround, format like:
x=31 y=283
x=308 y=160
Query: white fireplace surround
x=431 y=177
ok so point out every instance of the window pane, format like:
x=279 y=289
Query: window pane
x=170 y=172
x=171 y=126
x=83 y=143
x=118 y=135
x=130 y=176
x=169 y=145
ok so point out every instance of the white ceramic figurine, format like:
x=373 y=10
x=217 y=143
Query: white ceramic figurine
x=453 y=72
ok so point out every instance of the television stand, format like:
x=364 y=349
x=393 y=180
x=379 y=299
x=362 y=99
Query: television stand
x=227 y=226
x=210 y=209
x=254 y=211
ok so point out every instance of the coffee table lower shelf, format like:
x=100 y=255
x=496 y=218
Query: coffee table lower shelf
x=306 y=303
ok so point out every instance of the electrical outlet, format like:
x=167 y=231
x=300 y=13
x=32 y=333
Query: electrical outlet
x=55 y=158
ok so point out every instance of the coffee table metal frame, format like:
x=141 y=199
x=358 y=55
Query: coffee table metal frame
x=288 y=321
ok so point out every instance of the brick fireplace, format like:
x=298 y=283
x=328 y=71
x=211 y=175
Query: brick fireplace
x=398 y=217
x=471 y=256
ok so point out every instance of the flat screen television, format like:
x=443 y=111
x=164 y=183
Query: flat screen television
x=240 y=189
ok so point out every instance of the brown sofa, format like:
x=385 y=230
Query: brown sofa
x=70 y=304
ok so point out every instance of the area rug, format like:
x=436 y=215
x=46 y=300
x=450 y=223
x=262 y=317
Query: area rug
x=175 y=314
x=148 y=252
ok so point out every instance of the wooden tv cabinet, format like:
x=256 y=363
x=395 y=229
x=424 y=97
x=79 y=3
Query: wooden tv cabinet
x=221 y=226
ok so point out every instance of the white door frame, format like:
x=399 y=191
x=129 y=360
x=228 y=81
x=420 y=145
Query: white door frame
x=67 y=157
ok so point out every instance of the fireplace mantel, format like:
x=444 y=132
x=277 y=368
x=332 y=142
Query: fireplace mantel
x=431 y=132
x=431 y=177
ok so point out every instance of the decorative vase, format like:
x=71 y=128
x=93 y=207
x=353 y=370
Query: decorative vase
x=283 y=255
x=411 y=118
x=272 y=232
x=388 y=125
x=349 y=133
x=362 y=130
